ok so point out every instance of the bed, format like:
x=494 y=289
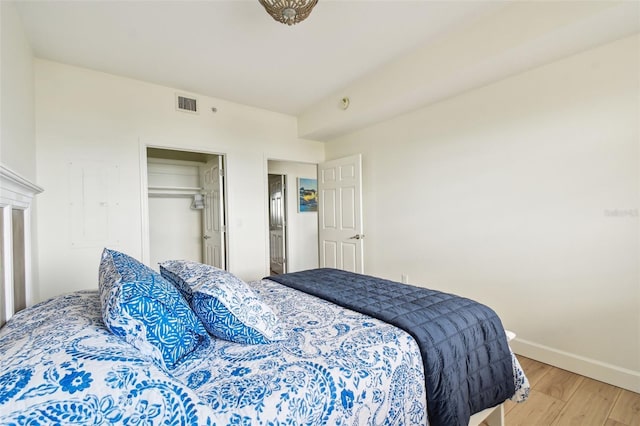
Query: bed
x=72 y=359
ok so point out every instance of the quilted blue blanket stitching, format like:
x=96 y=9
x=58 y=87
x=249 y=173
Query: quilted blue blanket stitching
x=465 y=354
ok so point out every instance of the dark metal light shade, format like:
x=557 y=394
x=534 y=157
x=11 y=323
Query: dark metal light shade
x=289 y=11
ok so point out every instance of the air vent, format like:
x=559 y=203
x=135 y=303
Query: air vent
x=186 y=104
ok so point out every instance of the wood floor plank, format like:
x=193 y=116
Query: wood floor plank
x=627 y=409
x=559 y=383
x=610 y=422
x=589 y=405
x=539 y=409
x=561 y=398
x=534 y=370
x=508 y=406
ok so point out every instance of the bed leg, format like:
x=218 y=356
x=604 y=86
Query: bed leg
x=496 y=418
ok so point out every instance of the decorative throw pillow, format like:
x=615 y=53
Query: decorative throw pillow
x=226 y=305
x=147 y=311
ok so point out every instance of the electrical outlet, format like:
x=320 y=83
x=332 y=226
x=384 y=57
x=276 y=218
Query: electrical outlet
x=405 y=278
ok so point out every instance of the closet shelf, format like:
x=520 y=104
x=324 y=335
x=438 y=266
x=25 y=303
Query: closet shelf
x=174 y=191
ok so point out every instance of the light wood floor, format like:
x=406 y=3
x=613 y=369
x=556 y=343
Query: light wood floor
x=559 y=397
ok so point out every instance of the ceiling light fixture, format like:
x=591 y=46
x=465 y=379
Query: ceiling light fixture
x=289 y=11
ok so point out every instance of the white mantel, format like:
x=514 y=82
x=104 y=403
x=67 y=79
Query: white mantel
x=16 y=193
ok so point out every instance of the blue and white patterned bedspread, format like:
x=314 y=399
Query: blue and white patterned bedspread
x=337 y=367
x=60 y=365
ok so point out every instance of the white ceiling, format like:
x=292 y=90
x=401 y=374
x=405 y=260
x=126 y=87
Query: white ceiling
x=235 y=51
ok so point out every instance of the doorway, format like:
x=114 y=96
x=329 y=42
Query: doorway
x=186 y=207
x=277 y=224
x=293 y=234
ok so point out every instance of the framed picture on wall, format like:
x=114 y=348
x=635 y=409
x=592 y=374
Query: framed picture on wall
x=307 y=195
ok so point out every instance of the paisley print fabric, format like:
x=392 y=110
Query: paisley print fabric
x=60 y=365
x=227 y=306
x=147 y=311
x=335 y=367
x=521 y=382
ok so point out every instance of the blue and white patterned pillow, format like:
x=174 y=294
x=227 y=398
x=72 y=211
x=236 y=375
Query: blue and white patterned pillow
x=226 y=305
x=147 y=311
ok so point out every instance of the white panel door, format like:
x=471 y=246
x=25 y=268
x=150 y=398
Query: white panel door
x=340 y=214
x=213 y=246
x=277 y=224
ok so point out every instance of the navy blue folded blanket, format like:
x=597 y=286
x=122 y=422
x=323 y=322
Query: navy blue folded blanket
x=466 y=357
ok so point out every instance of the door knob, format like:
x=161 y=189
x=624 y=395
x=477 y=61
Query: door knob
x=357 y=237
x=206 y=237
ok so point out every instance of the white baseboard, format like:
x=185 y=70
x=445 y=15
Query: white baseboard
x=621 y=377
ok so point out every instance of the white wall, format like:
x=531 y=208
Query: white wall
x=96 y=118
x=524 y=195
x=17 y=112
x=17 y=126
x=302 y=228
x=175 y=230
